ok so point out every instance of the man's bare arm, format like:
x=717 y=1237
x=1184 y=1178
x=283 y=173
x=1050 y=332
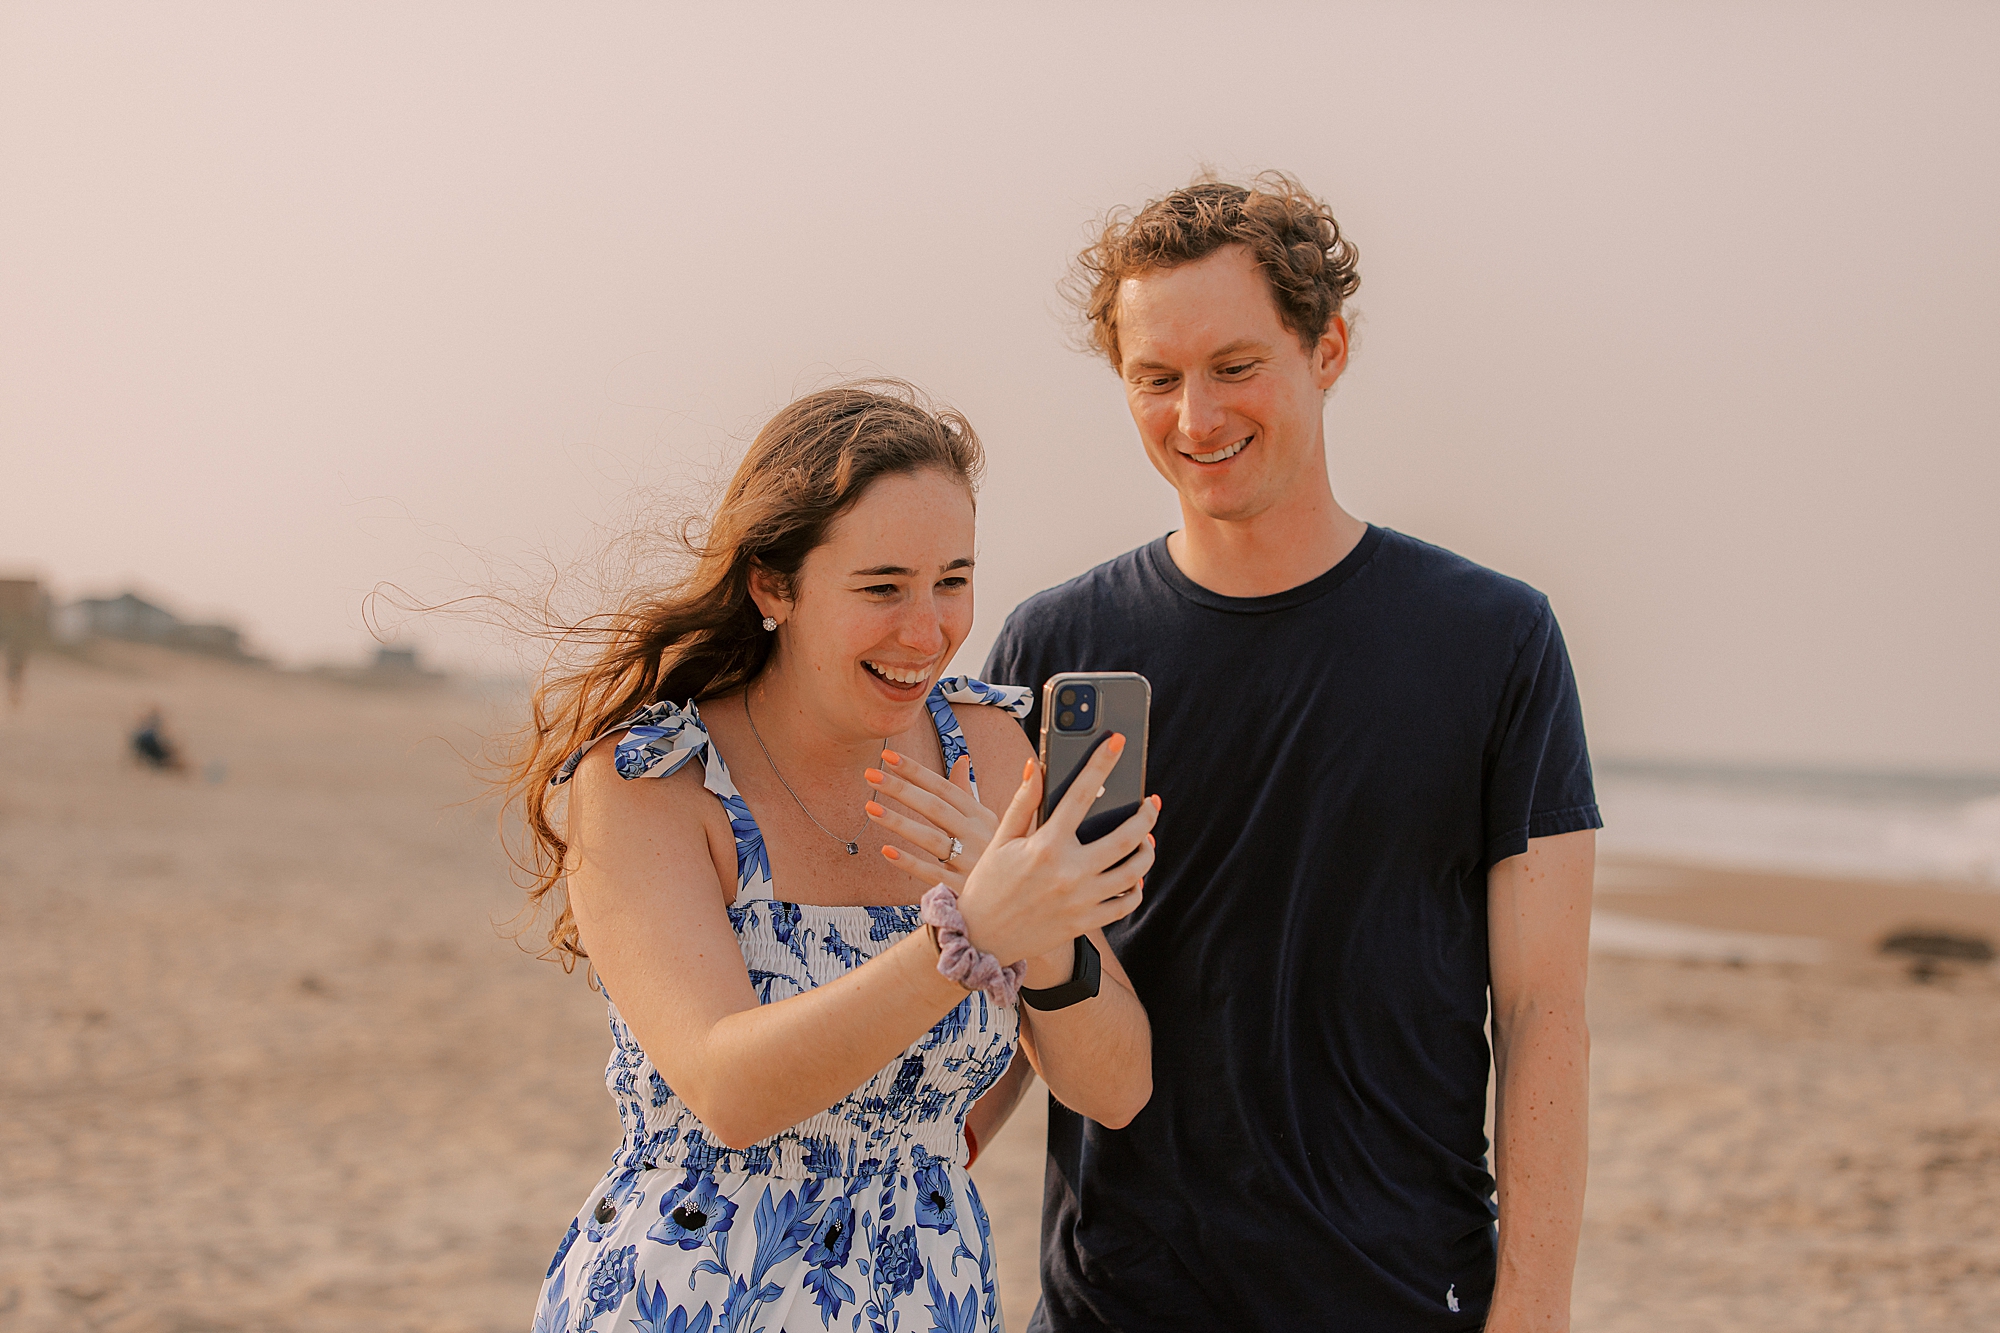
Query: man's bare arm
x=1538 y=908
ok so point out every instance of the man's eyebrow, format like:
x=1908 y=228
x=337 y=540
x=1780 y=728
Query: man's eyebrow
x=1223 y=352
x=904 y=571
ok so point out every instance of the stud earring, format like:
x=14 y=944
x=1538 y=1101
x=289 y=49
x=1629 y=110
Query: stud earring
x=770 y=623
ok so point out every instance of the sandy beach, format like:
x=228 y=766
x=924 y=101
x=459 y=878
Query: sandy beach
x=271 y=1064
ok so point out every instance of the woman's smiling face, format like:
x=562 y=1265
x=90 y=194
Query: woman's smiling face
x=880 y=607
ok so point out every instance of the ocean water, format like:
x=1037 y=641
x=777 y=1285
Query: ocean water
x=1910 y=826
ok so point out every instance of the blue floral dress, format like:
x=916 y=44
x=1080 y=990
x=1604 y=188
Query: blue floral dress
x=862 y=1215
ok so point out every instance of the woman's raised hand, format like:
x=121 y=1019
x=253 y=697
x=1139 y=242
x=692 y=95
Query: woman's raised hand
x=1036 y=889
x=946 y=809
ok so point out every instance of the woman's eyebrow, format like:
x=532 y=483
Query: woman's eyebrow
x=904 y=571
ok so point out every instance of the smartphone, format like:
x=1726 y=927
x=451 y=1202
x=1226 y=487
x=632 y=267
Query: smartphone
x=1080 y=711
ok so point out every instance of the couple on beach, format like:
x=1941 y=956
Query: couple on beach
x=809 y=872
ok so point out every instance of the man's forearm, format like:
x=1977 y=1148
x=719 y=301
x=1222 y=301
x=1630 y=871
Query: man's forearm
x=1541 y=1144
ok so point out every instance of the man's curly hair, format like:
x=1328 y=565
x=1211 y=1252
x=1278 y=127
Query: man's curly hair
x=1292 y=235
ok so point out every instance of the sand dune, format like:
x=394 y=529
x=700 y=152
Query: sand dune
x=268 y=1065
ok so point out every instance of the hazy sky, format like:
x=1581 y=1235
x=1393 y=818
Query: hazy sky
x=1687 y=314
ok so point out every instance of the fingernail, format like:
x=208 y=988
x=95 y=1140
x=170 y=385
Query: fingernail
x=1116 y=743
x=891 y=758
x=873 y=775
x=1156 y=800
x=892 y=853
x=874 y=809
x=1149 y=840
x=1028 y=770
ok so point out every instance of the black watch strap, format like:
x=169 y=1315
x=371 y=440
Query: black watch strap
x=1082 y=984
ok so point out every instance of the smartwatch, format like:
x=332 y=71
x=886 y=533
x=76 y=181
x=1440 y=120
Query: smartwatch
x=1084 y=975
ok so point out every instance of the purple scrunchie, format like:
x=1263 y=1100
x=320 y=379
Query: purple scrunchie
x=959 y=959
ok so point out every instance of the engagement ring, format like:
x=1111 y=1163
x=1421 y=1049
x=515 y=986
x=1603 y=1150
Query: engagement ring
x=952 y=855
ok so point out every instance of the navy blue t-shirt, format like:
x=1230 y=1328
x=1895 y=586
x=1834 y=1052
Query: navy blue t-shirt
x=1339 y=764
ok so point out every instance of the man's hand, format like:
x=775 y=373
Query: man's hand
x=1538 y=922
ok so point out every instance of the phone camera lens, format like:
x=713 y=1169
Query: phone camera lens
x=1076 y=707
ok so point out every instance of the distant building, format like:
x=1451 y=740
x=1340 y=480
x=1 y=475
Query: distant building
x=133 y=619
x=215 y=640
x=24 y=609
x=126 y=616
x=392 y=668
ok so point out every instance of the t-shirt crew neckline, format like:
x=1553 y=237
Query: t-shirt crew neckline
x=1162 y=565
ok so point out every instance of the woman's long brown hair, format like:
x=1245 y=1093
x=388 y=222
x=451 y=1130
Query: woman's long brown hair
x=701 y=635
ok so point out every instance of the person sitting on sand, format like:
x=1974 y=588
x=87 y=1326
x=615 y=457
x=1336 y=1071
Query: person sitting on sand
x=153 y=747
x=808 y=1041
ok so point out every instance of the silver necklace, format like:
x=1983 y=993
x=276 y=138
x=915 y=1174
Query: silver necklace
x=852 y=845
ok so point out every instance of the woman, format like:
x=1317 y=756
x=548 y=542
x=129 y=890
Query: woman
x=803 y=1055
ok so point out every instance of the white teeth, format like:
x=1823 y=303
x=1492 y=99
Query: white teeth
x=898 y=675
x=1221 y=454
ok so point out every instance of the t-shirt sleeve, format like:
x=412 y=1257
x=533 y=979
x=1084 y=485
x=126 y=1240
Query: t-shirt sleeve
x=1538 y=765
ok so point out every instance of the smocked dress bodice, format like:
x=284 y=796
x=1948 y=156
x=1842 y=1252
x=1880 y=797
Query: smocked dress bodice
x=861 y=1205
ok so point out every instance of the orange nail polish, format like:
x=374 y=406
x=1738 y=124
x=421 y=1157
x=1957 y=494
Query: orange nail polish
x=874 y=809
x=1156 y=800
x=873 y=775
x=891 y=758
x=1028 y=771
x=892 y=853
x=1117 y=742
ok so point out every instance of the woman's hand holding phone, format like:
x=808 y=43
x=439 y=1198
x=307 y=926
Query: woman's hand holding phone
x=1034 y=890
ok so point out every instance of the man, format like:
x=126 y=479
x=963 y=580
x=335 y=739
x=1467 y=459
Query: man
x=1377 y=813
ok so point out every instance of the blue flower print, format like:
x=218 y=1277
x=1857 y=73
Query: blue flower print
x=691 y=1213
x=562 y=1250
x=657 y=1314
x=641 y=750
x=623 y=1190
x=553 y=1317
x=947 y=1314
x=834 y=1235
x=889 y=923
x=839 y=948
x=822 y=1156
x=752 y=861
x=829 y=1294
x=897 y=1266
x=1014 y=699
x=937 y=1207
x=785 y=925
x=908 y=1079
x=951 y=738
x=610 y=1278
x=864 y=1219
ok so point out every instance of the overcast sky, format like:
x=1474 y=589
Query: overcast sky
x=1687 y=314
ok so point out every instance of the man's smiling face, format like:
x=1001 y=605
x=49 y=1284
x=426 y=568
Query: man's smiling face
x=1226 y=399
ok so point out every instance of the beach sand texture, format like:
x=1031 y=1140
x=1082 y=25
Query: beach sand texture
x=267 y=1064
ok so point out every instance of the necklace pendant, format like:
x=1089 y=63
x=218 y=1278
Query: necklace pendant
x=854 y=849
